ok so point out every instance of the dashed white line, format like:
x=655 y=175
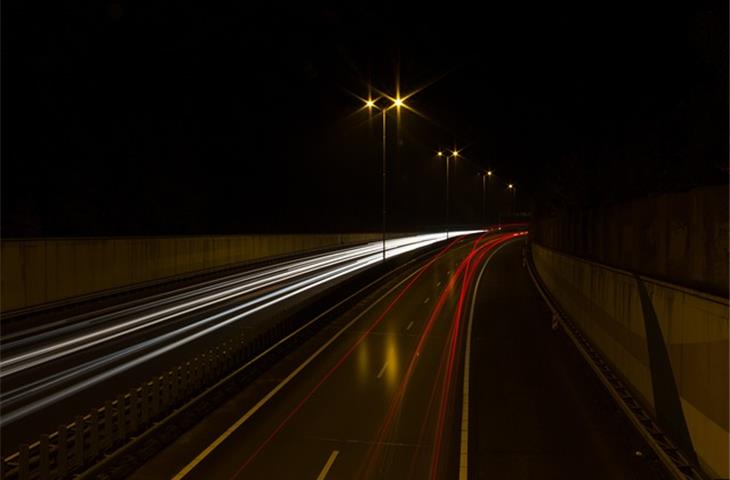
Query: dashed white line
x=438 y=284
x=328 y=465
x=427 y=299
x=409 y=325
x=382 y=370
x=202 y=455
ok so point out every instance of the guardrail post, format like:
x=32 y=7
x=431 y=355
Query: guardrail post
x=155 y=397
x=133 y=411
x=215 y=362
x=165 y=386
x=214 y=354
x=62 y=450
x=188 y=377
x=79 y=441
x=171 y=387
x=174 y=383
x=145 y=403
x=195 y=368
x=203 y=369
x=230 y=358
x=44 y=454
x=108 y=440
x=24 y=462
x=183 y=380
x=121 y=419
x=94 y=437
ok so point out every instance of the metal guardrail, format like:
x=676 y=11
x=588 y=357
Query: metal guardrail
x=666 y=451
x=90 y=437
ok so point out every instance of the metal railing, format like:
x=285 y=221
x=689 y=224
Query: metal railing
x=76 y=446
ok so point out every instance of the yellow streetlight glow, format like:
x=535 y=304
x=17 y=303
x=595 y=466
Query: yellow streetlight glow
x=439 y=153
x=510 y=186
x=489 y=173
x=370 y=104
x=456 y=153
x=398 y=102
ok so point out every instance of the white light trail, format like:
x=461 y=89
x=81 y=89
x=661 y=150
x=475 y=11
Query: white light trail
x=295 y=277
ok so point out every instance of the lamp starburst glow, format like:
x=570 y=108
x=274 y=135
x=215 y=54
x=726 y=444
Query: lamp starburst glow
x=489 y=173
x=397 y=102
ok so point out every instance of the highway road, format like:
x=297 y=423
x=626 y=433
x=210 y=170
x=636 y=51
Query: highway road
x=52 y=371
x=382 y=392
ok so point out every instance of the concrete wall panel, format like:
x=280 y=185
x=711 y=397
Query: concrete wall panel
x=681 y=238
x=38 y=272
x=604 y=302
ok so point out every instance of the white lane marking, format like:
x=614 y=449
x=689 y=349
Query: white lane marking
x=202 y=455
x=382 y=370
x=464 y=449
x=427 y=299
x=438 y=284
x=409 y=325
x=328 y=465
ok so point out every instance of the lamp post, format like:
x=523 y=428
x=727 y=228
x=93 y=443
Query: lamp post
x=454 y=154
x=370 y=104
x=485 y=175
x=513 y=190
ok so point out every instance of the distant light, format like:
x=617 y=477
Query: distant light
x=510 y=186
x=489 y=173
x=370 y=104
x=456 y=153
x=398 y=102
x=440 y=153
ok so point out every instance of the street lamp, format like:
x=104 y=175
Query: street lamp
x=454 y=154
x=512 y=189
x=370 y=104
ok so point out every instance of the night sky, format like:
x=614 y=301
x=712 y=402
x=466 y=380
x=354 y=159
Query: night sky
x=182 y=118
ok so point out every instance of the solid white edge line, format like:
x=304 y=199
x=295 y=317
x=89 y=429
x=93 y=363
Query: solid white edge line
x=464 y=447
x=201 y=456
x=328 y=465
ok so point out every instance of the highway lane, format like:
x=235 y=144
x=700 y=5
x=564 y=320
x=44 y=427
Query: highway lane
x=380 y=395
x=50 y=373
x=384 y=398
x=536 y=408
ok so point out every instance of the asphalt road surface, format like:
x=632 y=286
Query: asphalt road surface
x=379 y=393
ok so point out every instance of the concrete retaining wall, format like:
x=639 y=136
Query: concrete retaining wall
x=605 y=303
x=40 y=271
x=681 y=238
